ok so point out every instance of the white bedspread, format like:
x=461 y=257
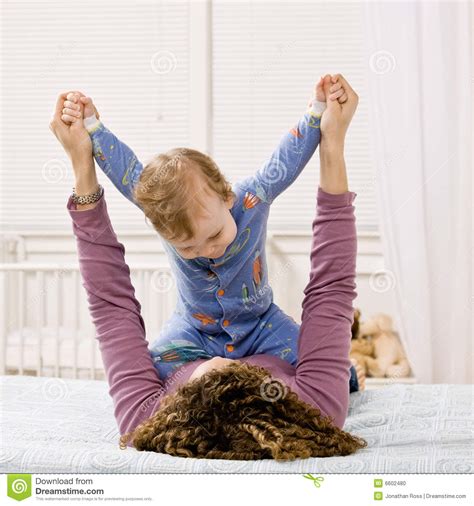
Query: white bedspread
x=51 y=425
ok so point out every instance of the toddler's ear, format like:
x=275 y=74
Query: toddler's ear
x=230 y=201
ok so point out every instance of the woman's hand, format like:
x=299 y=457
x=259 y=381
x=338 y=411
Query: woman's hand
x=339 y=111
x=334 y=124
x=74 y=137
x=78 y=146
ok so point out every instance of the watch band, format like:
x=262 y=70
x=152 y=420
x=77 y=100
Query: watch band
x=87 y=199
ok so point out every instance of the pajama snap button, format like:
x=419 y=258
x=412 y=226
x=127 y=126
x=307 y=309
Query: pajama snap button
x=230 y=347
x=225 y=323
x=220 y=292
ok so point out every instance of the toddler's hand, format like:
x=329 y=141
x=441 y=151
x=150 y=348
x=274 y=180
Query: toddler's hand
x=336 y=90
x=319 y=91
x=72 y=106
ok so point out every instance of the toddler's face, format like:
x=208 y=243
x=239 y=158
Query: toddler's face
x=216 y=229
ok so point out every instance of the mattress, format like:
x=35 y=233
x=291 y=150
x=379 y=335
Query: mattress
x=52 y=425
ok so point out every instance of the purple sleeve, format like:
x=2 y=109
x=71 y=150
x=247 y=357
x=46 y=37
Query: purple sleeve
x=322 y=372
x=134 y=384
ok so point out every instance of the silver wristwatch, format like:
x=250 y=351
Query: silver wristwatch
x=87 y=199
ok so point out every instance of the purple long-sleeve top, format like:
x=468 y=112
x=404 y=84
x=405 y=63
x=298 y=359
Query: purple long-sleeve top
x=321 y=375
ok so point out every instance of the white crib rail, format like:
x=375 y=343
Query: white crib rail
x=45 y=324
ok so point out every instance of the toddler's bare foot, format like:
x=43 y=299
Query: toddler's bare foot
x=360 y=373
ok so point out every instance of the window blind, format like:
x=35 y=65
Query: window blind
x=134 y=60
x=130 y=57
x=267 y=57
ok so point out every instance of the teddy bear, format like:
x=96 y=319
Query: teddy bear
x=384 y=356
x=362 y=349
x=355 y=323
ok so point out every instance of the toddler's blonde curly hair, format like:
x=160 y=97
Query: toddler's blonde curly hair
x=168 y=193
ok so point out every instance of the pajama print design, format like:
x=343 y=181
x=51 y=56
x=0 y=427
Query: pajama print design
x=225 y=305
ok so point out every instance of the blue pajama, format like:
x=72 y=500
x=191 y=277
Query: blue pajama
x=277 y=334
x=225 y=306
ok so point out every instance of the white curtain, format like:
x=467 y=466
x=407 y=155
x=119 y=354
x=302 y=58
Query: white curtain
x=420 y=88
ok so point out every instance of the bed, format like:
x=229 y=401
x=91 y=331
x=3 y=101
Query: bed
x=53 y=425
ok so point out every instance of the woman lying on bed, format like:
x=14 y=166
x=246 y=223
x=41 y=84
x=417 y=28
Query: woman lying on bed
x=253 y=407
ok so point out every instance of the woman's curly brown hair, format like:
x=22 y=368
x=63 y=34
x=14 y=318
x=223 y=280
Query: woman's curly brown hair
x=240 y=412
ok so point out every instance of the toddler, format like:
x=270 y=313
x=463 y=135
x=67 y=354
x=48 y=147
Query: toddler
x=214 y=234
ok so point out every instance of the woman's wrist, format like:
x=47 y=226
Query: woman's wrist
x=333 y=176
x=86 y=181
x=84 y=173
x=80 y=156
x=86 y=184
x=331 y=148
